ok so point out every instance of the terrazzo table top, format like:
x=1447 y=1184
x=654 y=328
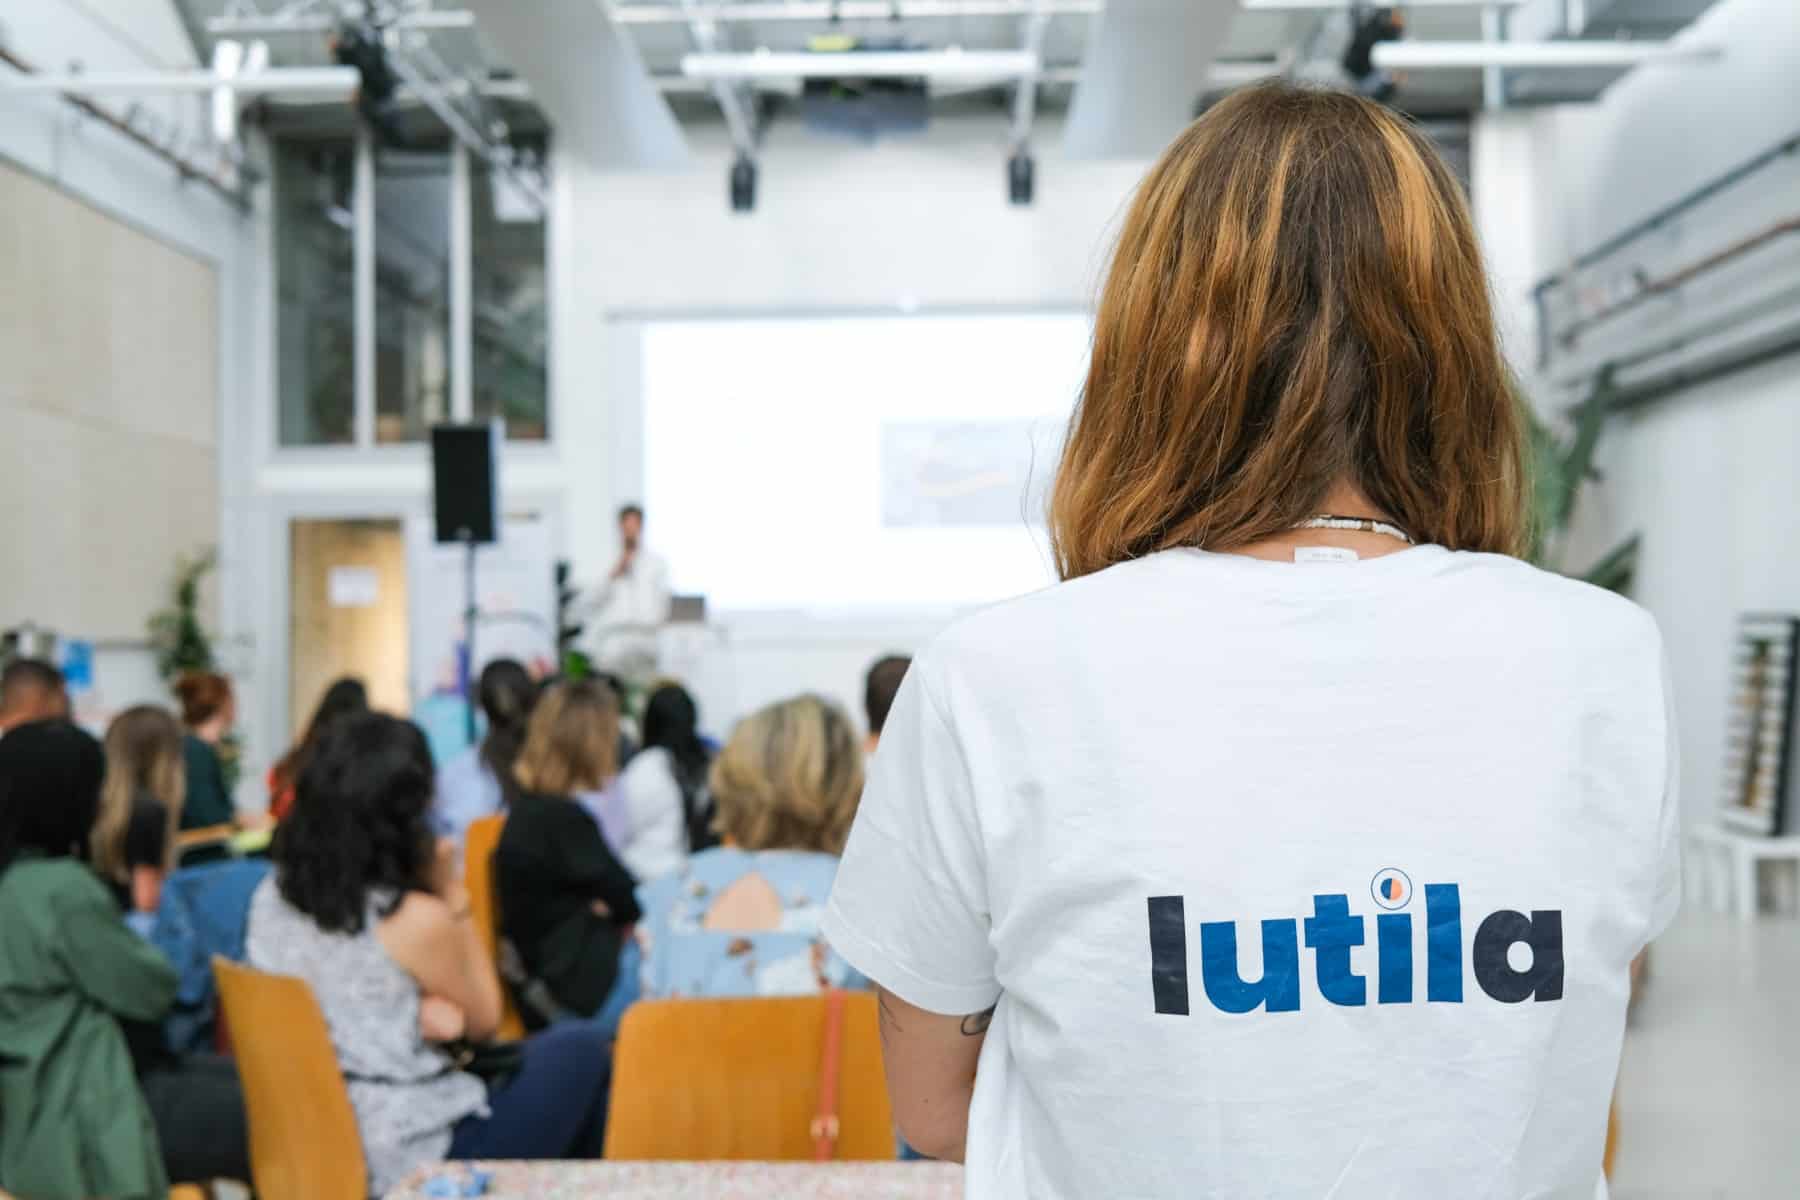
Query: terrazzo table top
x=698 y=1181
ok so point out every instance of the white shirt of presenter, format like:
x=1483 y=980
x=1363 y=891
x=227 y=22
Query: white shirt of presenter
x=630 y=605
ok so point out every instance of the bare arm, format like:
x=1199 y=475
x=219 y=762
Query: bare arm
x=930 y=1062
x=437 y=945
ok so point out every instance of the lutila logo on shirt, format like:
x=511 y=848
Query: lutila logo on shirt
x=1333 y=930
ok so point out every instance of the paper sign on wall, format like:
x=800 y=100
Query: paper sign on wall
x=353 y=587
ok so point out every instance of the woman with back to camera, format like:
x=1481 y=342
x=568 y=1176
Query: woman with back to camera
x=208 y=710
x=345 y=697
x=479 y=782
x=368 y=908
x=667 y=810
x=1313 y=863
x=80 y=1115
x=565 y=899
x=140 y=806
x=742 y=918
x=196 y=1099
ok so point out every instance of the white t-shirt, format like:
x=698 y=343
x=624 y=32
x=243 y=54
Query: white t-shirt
x=1242 y=849
x=657 y=842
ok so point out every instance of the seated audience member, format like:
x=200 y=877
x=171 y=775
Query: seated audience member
x=479 y=782
x=140 y=806
x=31 y=690
x=73 y=1120
x=668 y=813
x=742 y=919
x=369 y=910
x=880 y=687
x=343 y=698
x=565 y=900
x=209 y=711
x=196 y=1099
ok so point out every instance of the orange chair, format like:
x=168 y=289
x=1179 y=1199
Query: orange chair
x=303 y=1139
x=479 y=841
x=695 y=1080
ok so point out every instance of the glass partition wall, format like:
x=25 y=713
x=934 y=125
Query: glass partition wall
x=411 y=289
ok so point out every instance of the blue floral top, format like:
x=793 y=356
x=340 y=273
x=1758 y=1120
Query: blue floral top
x=683 y=958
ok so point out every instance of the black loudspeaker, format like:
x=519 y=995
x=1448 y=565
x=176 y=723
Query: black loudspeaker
x=465 y=477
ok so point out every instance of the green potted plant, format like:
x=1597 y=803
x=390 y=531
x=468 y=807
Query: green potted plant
x=1561 y=466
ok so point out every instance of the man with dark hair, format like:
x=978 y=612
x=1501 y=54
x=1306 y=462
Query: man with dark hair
x=31 y=690
x=630 y=606
x=879 y=689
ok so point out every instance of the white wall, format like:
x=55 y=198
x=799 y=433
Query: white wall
x=1707 y=476
x=46 y=137
x=919 y=224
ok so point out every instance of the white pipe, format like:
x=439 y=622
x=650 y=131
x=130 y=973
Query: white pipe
x=297 y=80
x=462 y=288
x=362 y=291
x=263 y=26
x=1464 y=56
x=848 y=10
x=882 y=64
x=1241 y=73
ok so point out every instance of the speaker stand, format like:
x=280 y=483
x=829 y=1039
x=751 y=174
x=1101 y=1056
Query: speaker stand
x=471 y=611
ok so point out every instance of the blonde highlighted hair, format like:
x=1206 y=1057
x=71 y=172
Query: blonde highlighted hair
x=789 y=778
x=143 y=756
x=1297 y=299
x=571 y=741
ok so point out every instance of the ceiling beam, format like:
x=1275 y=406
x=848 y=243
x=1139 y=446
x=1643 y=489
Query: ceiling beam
x=588 y=78
x=848 y=10
x=705 y=33
x=1024 y=109
x=316 y=23
x=1463 y=56
x=1146 y=62
x=335 y=81
x=871 y=64
x=1336 y=5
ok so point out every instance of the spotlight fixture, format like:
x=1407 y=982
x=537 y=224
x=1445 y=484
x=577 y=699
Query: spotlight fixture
x=360 y=45
x=743 y=184
x=1371 y=27
x=1021 y=178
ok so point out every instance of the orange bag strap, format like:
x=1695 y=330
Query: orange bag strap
x=831 y=1053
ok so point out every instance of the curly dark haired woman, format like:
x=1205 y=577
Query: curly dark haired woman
x=367 y=907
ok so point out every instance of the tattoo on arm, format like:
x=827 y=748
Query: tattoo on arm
x=889 y=1020
x=976 y=1024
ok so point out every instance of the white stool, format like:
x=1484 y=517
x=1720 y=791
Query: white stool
x=1723 y=869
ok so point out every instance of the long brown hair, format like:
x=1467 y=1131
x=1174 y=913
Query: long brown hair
x=571 y=741
x=143 y=755
x=1297 y=299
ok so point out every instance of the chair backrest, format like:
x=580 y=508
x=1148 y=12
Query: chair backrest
x=697 y=1080
x=479 y=842
x=303 y=1139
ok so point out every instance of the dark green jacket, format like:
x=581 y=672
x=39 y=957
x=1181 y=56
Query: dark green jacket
x=73 y=1123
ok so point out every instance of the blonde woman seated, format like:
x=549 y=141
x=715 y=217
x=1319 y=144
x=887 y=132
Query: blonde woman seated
x=742 y=919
